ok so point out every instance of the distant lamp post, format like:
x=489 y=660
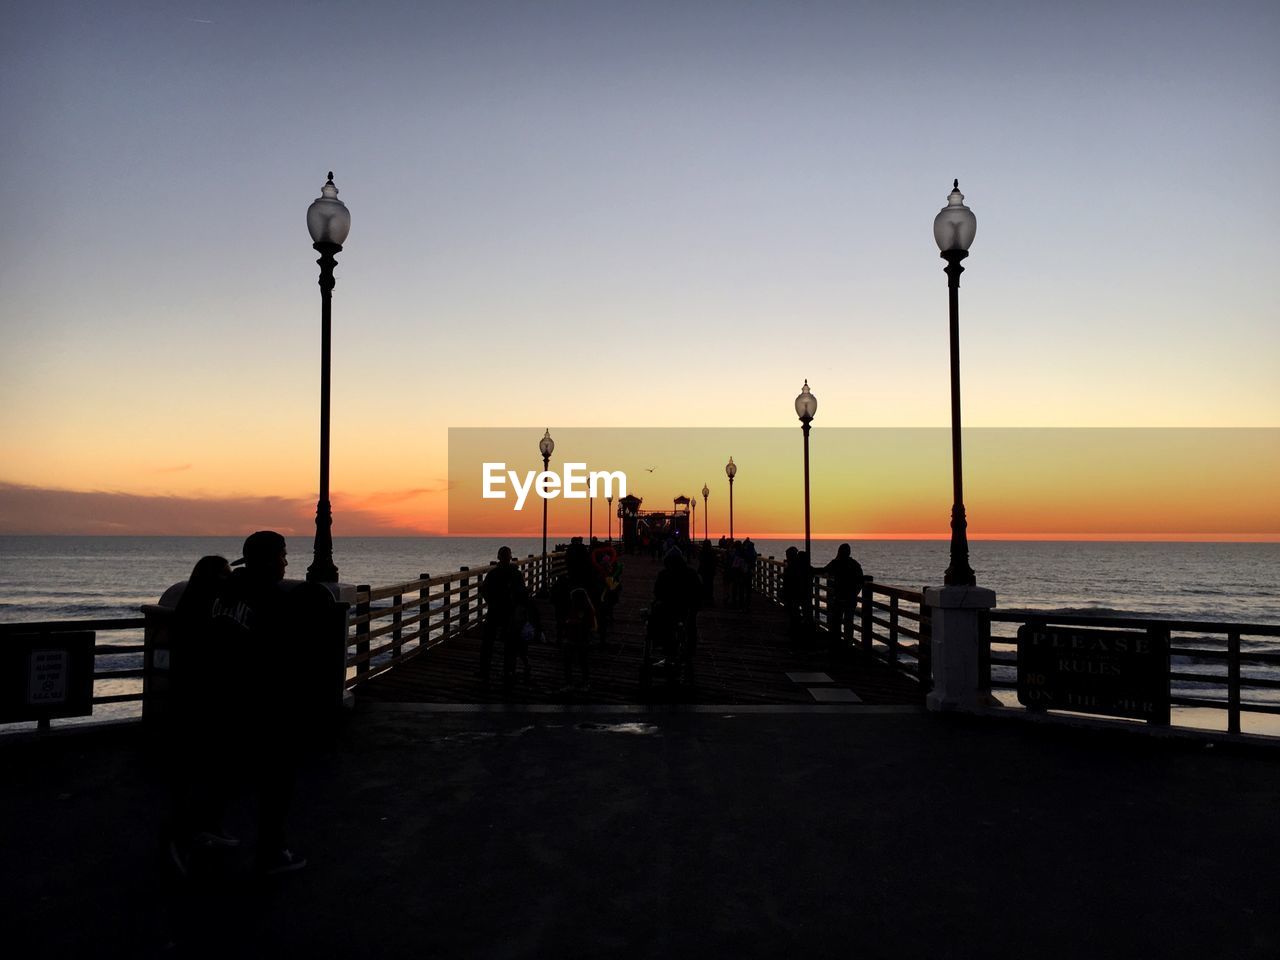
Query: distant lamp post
x=329 y=222
x=693 y=523
x=731 y=471
x=954 y=228
x=545 y=447
x=706 y=492
x=609 y=519
x=806 y=409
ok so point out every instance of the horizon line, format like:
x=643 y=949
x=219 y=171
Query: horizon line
x=1041 y=536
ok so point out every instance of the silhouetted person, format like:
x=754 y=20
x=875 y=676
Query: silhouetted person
x=580 y=623
x=844 y=584
x=201 y=673
x=254 y=616
x=677 y=594
x=797 y=595
x=503 y=589
x=577 y=563
x=707 y=572
x=749 y=556
x=607 y=571
x=522 y=629
x=579 y=574
x=738 y=575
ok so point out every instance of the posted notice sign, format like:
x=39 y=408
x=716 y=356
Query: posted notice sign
x=46 y=675
x=1116 y=673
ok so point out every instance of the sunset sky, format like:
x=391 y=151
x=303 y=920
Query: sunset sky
x=628 y=215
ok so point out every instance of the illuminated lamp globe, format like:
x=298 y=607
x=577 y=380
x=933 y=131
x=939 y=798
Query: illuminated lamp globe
x=806 y=404
x=328 y=218
x=955 y=225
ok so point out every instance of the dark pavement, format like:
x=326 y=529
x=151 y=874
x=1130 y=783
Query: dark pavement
x=854 y=832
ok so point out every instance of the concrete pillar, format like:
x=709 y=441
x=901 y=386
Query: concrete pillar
x=955 y=637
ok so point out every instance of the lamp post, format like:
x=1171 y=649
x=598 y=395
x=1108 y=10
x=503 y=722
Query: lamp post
x=731 y=471
x=806 y=408
x=545 y=446
x=953 y=229
x=609 y=519
x=706 y=492
x=329 y=222
x=693 y=523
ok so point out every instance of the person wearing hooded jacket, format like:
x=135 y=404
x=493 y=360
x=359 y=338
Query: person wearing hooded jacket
x=677 y=594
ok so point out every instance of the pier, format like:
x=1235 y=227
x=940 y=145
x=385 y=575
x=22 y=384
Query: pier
x=418 y=642
x=743 y=657
x=790 y=800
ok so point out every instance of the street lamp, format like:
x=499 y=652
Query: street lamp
x=706 y=492
x=693 y=525
x=806 y=408
x=731 y=471
x=545 y=447
x=609 y=519
x=329 y=222
x=953 y=229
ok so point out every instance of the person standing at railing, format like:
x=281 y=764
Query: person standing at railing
x=844 y=584
x=797 y=596
x=198 y=747
x=503 y=590
x=263 y=627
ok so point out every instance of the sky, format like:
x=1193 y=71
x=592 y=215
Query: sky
x=623 y=215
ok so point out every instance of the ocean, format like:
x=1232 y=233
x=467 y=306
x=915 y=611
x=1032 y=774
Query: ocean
x=76 y=577
x=61 y=578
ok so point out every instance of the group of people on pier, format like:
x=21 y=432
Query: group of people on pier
x=583 y=598
x=248 y=682
x=845 y=580
x=739 y=571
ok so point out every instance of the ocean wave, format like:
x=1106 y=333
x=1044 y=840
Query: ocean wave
x=1048 y=612
x=18 y=612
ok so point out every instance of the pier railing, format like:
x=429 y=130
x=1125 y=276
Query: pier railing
x=890 y=623
x=385 y=626
x=394 y=623
x=1213 y=665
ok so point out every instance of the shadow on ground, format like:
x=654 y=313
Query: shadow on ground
x=670 y=834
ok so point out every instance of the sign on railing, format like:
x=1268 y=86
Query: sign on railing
x=1109 y=672
x=46 y=675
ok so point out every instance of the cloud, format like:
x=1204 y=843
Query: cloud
x=177 y=469
x=44 y=511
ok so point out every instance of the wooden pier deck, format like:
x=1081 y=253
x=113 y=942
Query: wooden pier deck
x=743 y=657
